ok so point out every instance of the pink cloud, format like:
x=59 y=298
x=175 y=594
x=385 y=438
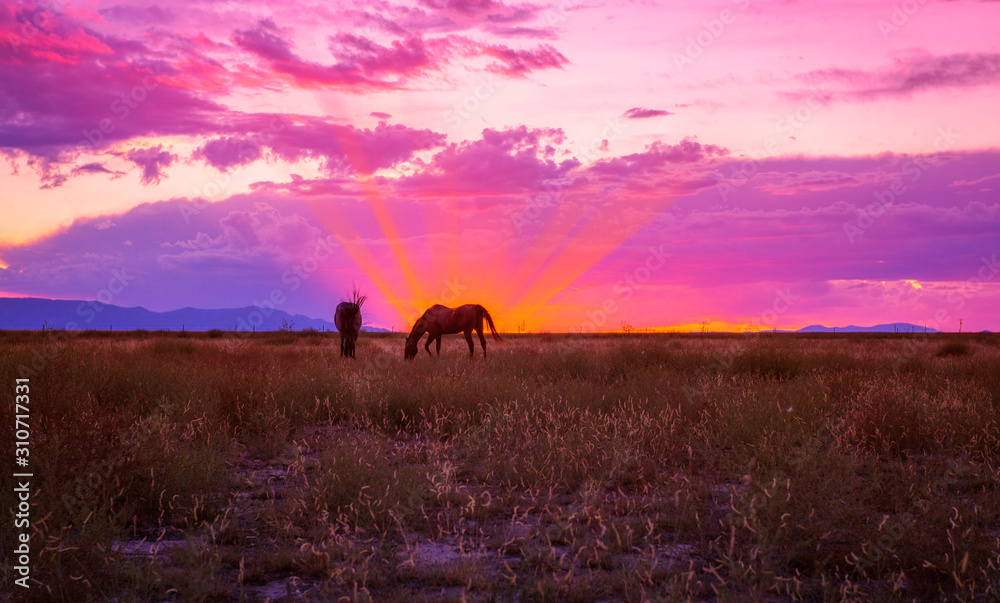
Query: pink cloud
x=137 y=96
x=640 y=169
x=112 y=100
x=165 y=84
x=501 y=162
x=139 y=16
x=408 y=56
x=466 y=7
x=363 y=63
x=520 y=62
x=54 y=37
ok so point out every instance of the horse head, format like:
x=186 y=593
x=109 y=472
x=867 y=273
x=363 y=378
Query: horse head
x=410 y=350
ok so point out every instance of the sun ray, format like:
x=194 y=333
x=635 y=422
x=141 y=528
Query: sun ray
x=559 y=268
x=360 y=254
x=376 y=201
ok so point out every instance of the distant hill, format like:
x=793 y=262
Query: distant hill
x=895 y=327
x=33 y=313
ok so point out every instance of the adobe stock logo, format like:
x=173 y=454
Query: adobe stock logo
x=485 y=87
x=712 y=31
x=552 y=190
x=912 y=171
x=40 y=21
x=625 y=288
x=899 y=17
x=451 y=291
x=123 y=106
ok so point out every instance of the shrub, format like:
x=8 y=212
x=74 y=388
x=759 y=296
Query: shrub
x=953 y=348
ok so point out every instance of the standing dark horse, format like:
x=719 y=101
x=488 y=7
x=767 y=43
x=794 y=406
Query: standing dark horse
x=348 y=321
x=441 y=320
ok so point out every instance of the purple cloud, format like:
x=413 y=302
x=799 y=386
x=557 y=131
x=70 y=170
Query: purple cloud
x=489 y=11
x=539 y=33
x=228 y=151
x=343 y=149
x=153 y=161
x=489 y=16
x=639 y=113
x=909 y=77
x=93 y=168
x=248 y=242
x=787 y=224
x=248 y=237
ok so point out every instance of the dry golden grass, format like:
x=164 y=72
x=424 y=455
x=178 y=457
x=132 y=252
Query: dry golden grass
x=571 y=468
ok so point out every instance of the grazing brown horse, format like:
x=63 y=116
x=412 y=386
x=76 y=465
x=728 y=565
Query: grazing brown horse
x=348 y=321
x=441 y=320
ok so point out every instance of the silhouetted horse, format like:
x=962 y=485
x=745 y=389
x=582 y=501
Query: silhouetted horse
x=441 y=320
x=348 y=321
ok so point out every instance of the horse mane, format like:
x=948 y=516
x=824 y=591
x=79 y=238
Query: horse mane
x=418 y=324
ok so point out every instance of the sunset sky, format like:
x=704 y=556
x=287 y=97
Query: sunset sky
x=570 y=164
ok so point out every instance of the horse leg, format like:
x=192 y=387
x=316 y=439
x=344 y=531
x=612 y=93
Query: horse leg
x=472 y=346
x=439 y=345
x=430 y=337
x=482 y=339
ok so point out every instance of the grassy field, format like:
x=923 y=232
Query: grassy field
x=563 y=468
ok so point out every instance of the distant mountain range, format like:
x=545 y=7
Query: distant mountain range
x=895 y=327
x=36 y=313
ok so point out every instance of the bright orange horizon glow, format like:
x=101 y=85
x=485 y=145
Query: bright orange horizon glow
x=713 y=326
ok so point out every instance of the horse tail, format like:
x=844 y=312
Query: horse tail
x=357 y=299
x=489 y=320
